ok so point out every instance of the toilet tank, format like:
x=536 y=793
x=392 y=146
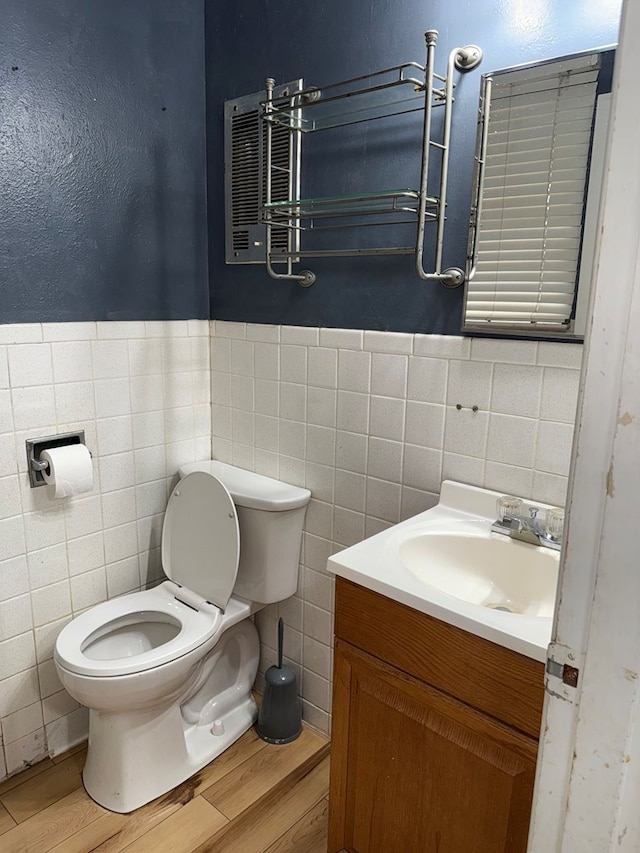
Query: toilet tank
x=270 y=517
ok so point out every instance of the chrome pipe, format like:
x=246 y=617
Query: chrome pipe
x=305 y=277
x=431 y=37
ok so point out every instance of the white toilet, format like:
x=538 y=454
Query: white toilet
x=167 y=673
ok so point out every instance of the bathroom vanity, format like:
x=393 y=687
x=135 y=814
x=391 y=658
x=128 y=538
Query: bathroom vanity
x=437 y=728
x=436 y=706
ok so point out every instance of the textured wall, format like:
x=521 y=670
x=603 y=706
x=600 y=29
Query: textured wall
x=331 y=40
x=102 y=160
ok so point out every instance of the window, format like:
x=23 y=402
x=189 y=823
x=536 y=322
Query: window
x=531 y=201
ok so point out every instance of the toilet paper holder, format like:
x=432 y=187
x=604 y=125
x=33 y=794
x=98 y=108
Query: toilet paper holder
x=35 y=446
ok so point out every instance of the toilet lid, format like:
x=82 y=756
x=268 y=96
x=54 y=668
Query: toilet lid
x=200 y=538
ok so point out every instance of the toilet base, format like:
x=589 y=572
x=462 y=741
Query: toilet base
x=134 y=757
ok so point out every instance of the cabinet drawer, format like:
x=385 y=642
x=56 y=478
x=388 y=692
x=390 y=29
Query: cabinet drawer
x=495 y=680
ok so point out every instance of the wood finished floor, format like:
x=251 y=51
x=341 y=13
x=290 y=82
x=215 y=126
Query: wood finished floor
x=254 y=798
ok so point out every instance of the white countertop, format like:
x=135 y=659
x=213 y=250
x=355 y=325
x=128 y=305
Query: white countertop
x=372 y=564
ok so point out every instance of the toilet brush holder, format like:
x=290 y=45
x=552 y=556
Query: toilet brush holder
x=279 y=718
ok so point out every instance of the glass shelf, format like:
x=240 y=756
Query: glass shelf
x=344 y=253
x=364 y=204
x=394 y=91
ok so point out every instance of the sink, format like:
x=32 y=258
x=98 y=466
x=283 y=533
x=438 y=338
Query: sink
x=446 y=562
x=479 y=567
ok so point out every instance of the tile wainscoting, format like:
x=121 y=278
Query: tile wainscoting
x=141 y=392
x=369 y=421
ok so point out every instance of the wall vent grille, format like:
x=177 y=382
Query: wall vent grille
x=245 y=177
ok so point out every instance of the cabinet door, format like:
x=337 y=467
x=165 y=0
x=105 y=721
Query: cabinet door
x=414 y=770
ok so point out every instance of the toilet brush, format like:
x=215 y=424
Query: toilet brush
x=279 y=718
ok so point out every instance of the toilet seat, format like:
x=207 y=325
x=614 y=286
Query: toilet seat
x=201 y=538
x=159 y=605
x=200 y=552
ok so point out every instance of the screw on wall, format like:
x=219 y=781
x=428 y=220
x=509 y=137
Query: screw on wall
x=460 y=406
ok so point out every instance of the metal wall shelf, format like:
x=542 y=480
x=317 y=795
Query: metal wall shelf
x=391 y=92
x=381 y=204
x=383 y=94
x=347 y=253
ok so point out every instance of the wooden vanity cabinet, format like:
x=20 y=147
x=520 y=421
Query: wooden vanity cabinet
x=434 y=735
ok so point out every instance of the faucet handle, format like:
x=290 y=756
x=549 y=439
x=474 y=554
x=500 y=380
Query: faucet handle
x=554 y=523
x=508 y=507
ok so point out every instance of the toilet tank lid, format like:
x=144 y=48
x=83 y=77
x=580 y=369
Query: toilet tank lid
x=254 y=491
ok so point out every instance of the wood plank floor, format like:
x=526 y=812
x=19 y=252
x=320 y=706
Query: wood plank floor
x=254 y=798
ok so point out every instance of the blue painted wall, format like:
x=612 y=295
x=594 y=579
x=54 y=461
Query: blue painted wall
x=102 y=160
x=331 y=40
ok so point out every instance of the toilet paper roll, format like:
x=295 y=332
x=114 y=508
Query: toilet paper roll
x=70 y=470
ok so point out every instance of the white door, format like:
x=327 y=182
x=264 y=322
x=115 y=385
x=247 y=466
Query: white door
x=588 y=787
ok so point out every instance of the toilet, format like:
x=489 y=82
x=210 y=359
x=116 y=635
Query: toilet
x=167 y=673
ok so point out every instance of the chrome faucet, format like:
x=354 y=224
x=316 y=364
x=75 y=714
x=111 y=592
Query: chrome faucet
x=530 y=527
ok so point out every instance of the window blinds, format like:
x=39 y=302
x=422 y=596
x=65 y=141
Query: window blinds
x=538 y=146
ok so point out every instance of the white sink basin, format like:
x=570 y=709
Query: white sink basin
x=482 y=568
x=447 y=563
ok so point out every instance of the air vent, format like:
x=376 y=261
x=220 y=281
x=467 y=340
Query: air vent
x=245 y=175
x=240 y=240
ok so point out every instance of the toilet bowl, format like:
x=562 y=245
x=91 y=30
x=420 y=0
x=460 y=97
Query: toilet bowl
x=167 y=673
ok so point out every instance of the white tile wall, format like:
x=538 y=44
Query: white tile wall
x=141 y=391
x=369 y=422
